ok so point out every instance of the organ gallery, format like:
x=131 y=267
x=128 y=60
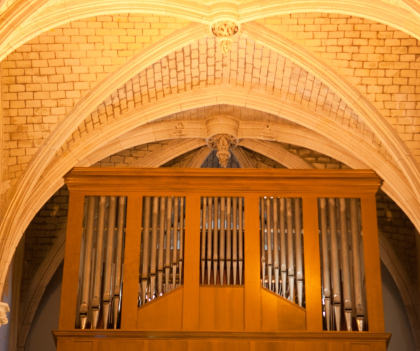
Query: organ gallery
x=196 y=259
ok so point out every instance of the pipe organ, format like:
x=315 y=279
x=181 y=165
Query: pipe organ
x=199 y=259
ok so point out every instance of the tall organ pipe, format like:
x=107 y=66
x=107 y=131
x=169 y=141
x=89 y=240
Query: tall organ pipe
x=175 y=241
x=263 y=241
x=345 y=268
x=228 y=240
x=168 y=243
x=276 y=246
x=204 y=222
x=283 y=264
x=161 y=243
x=235 y=240
x=145 y=250
x=211 y=223
x=299 y=253
x=181 y=240
x=84 y=303
x=222 y=240
x=98 y=263
x=155 y=213
x=290 y=252
x=335 y=265
x=215 y=239
x=240 y=241
x=269 y=248
x=325 y=264
x=118 y=259
x=106 y=297
x=357 y=275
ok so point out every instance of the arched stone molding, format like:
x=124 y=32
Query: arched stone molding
x=207 y=96
x=38 y=285
x=402 y=281
x=174 y=149
x=276 y=153
x=24 y=14
x=146 y=58
x=368 y=113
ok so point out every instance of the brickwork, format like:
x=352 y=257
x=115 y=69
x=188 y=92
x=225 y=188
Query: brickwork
x=43 y=79
x=202 y=64
x=382 y=62
x=400 y=232
x=41 y=234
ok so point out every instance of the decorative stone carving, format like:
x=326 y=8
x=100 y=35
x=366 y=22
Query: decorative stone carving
x=224 y=31
x=222 y=143
x=4 y=309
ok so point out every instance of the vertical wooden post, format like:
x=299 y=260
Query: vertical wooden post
x=252 y=301
x=372 y=267
x=70 y=286
x=131 y=266
x=312 y=264
x=191 y=299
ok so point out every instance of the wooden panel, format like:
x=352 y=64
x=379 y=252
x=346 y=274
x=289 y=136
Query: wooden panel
x=226 y=341
x=312 y=264
x=71 y=345
x=70 y=284
x=221 y=308
x=375 y=309
x=278 y=313
x=191 y=263
x=206 y=182
x=164 y=313
x=131 y=267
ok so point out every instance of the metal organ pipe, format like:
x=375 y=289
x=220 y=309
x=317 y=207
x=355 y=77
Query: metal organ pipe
x=98 y=263
x=335 y=264
x=153 y=247
x=222 y=240
x=181 y=239
x=269 y=248
x=325 y=264
x=235 y=240
x=299 y=253
x=168 y=243
x=276 y=246
x=357 y=274
x=145 y=250
x=290 y=251
x=204 y=224
x=283 y=249
x=161 y=243
x=118 y=259
x=240 y=241
x=228 y=241
x=345 y=269
x=106 y=297
x=175 y=241
x=209 y=238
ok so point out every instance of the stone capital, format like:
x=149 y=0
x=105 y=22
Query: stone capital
x=4 y=309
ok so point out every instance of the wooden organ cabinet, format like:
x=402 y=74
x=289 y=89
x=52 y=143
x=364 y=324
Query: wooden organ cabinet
x=211 y=259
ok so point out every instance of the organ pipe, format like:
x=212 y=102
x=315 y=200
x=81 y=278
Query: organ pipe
x=235 y=240
x=276 y=246
x=145 y=250
x=175 y=242
x=357 y=274
x=283 y=265
x=204 y=226
x=161 y=244
x=106 y=298
x=118 y=259
x=222 y=240
x=325 y=264
x=84 y=305
x=228 y=241
x=240 y=241
x=299 y=254
x=98 y=263
x=335 y=264
x=290 y=251
x=153 y=247
x=345 y=269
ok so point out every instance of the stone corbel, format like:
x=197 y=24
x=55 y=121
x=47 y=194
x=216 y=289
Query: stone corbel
x=4 y=309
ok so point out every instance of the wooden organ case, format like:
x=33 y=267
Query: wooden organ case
x=211 y=259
